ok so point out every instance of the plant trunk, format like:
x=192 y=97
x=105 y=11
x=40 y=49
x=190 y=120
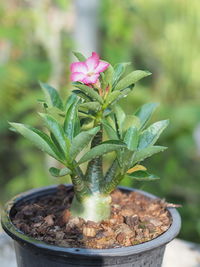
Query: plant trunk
x=94 y=173
x=94 y=207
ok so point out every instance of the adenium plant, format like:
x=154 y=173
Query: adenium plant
x=89 y=125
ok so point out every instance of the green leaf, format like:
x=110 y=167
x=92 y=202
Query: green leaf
x=115 y=96
x=59 y=148
x=146 y=153
x=130 y=121
x=86 y=124
x=123 y=94
x=103 y=81
x=142 y=176
x=52 y=96
x=38 y=138
x=114 y=141
x=131 y=78
x=54 y=111
x=124 y=157
x=119 y=118
x=151 y=134
x=108 y=75
x=72 y=99
x=99 y=151
x=81 y=141
x=59 y=172
x=145 y=112
x=119 y=70
x=89 y=92
x=94 y=106
x=56 y=129
x=58 y=115
x=79 y=56
x=86 y=115
x=131 y=138
x=72 y=123
x=107 y=112
x=112 y=97
x=82 y=95
x=112 y=134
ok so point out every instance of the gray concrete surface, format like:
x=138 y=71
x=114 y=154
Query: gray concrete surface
x=7 y=254
x=181 y=253
x=178 y=253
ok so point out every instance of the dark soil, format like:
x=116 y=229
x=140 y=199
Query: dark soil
x=135 y=219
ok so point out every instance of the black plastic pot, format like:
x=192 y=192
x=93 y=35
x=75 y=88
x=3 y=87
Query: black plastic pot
x=34 y=253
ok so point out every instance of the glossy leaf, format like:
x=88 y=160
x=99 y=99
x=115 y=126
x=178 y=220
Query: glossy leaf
x=99 y=151
x=56 y=113
x=59 y=172
x=112 y=134
x=151 y=134
x=81 y=141
x=89 y=92
x=131 y=121
x=86 y=124
x=94 y=106
x=123 y=94
x=52 y=96
x=124 y=157
x=72 y=123
x=107 y=112
x=108 y=75
x=145 y=112
x=122 y=153
x=79 y=56
x=131 y=78
x=112 y=97
x=115 y=96
x=104 y=84
x=84 y=114
x=56 y=129
x=119 y=118
x=82 y=95
x=59 y=148
x=114 y=141
x=38 y=138
x=146 y=153
x=131 y=138
x=72 y=99
x=142 y=175
x=119 y=70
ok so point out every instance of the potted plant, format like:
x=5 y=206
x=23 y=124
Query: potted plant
x=94 y=226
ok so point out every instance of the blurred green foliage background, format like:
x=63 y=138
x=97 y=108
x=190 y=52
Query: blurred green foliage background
x=36 y=40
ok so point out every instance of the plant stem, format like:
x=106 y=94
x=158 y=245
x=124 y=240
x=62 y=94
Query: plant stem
x=94 y=207
x=94 y=173
x=89 y=202
x=80 y=188
x=111 y=172
x=110 y=186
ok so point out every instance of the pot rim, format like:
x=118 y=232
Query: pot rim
x=19 y=236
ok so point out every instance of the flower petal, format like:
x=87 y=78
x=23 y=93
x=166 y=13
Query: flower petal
x=79 y=67
x=91 y=79
x=92 y=61
x=101 y=66
x=77 y=77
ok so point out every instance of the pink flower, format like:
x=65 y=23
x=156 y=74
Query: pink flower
x=88 y=71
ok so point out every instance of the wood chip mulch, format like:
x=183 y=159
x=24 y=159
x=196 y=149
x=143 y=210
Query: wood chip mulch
x=134 y=219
